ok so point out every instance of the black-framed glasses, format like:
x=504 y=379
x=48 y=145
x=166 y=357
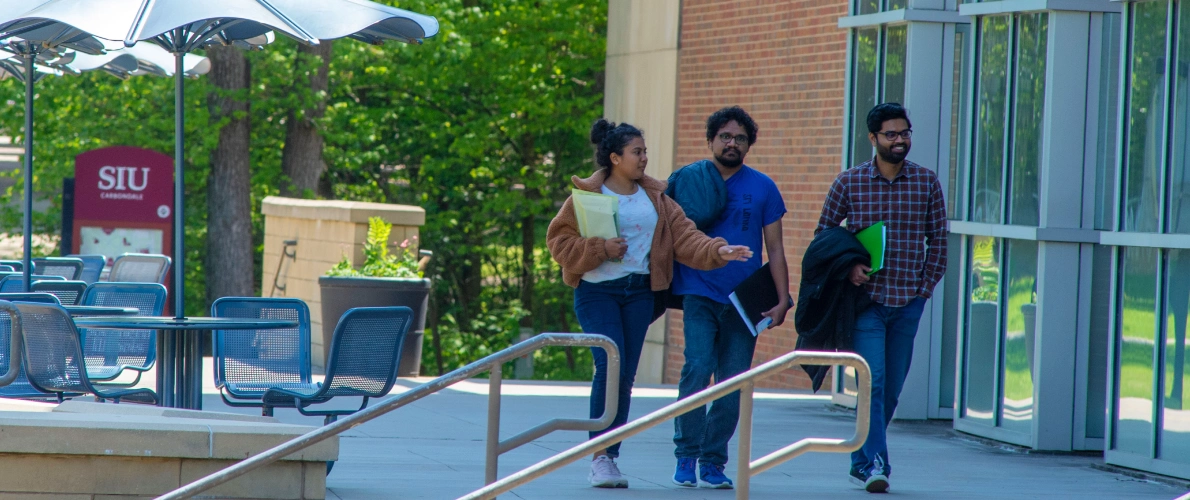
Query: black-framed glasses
x=739 y=139
x=892 y=135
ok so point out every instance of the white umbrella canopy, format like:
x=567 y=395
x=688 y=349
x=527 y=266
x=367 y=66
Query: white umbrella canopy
x=182 y=26
x=140 y=59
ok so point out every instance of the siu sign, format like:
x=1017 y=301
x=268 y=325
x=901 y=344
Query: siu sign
x=123 y=202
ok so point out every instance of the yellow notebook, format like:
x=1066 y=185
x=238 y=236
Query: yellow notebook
x=596 y=214
x=874 y=238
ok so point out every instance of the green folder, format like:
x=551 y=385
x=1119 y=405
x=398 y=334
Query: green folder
x=874 y=238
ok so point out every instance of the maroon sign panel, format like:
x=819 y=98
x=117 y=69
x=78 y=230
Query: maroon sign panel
x=123 y=202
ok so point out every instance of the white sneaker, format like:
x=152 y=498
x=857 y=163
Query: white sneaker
x=605 y=474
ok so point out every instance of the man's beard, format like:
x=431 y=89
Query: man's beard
x=732 y=162
x=888 y=155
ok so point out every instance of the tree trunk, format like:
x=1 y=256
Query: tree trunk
x=301 y=157
x=229 y=217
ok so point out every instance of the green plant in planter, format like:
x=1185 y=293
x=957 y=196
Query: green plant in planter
x=378 y=262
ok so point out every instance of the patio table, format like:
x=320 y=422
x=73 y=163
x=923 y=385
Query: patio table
x=179 y=349
x=101 y=311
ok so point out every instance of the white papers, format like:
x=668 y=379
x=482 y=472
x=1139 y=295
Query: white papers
x=756 y=328
x=596 y=214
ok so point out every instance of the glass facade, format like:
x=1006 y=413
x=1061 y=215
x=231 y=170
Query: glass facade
x=878 y=75
x=1121 y=302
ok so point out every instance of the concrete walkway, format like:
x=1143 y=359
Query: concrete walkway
x=433 y=449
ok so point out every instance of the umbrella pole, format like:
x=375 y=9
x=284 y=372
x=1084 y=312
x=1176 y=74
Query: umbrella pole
x=179 y=186
x=28 y=216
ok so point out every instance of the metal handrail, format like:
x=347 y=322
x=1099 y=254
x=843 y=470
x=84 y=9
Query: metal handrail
x=743 y=382
x=495 y=447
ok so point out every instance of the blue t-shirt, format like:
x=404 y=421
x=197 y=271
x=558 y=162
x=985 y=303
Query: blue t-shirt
x=753 y=202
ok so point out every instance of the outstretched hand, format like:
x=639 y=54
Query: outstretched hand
x=735 y=252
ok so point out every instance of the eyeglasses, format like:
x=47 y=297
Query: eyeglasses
x=892 y=136
x=739 y=139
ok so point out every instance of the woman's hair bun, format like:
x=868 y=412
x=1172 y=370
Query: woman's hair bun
x=600 y=129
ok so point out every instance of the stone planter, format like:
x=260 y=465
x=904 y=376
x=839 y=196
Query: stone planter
x=341 y=293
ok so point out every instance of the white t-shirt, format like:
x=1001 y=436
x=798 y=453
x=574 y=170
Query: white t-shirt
x=638 y=221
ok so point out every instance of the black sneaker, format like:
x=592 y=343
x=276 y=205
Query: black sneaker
x=873 y=480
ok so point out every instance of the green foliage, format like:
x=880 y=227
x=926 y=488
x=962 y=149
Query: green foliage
x=378 y=262
x=482 y=126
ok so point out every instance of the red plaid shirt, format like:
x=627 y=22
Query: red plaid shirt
x=914 y=215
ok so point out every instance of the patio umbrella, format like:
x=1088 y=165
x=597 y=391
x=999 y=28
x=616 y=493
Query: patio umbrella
x=33 y=41
x=183 y=26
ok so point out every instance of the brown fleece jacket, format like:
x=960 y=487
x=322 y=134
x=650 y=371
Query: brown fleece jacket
x=675 y=238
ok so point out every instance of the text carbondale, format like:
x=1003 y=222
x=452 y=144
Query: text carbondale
x=107 y=195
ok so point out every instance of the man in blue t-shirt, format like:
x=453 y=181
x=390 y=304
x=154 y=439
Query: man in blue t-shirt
x=718 y=342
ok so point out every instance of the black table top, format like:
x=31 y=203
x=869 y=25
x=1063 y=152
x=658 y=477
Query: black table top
x=192 y=323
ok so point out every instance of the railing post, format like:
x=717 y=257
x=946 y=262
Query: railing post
x=493 y=444
x=743 y=458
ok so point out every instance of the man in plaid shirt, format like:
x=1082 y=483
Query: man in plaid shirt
x=908 y=199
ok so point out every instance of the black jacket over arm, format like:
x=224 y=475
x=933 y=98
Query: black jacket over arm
x=827 y=302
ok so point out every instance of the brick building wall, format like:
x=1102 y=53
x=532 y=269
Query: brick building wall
x=784 y=61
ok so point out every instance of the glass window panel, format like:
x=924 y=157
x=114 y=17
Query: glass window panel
x=1029 y=97
x=1109 y=111
x=1179 y=176
x=1145 y=123
x=989 y=144
x=958 y=123
x=1138 y=332
x=951 y=301
x=1020 y=332
x=983 y=326
x=867 y=6
x=1175 y=419
x=863 y=98
x=897 y=4
x=1097 y=365
x=894 y=63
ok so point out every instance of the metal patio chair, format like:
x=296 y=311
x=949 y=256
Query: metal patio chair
x=66 y=267
x=140 y=268
x=93 y=265
x=54 y=358
x=15 y=283
x=109 y=352
x=16 y=265
x=43 y=298
x=249 y=362
x=19 y=388
x=6 y=268
x=68 y=292
x=365 y=350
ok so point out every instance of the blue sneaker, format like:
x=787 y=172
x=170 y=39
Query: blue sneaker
x=684 y=475
x=711 y=476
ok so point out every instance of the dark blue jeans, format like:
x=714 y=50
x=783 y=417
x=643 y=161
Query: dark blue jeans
x=717 y=343
x=883 y=336
x=620 y=309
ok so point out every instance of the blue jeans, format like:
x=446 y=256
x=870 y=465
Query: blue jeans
x=883 y=336
x=620 y=309
x=717 y=343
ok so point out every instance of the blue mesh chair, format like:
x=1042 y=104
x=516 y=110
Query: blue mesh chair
x=68 y=292
x=249 y=362
x=16 y=265
x=93 y=265
x=66 y=267
x=15 y=283
x=365 y=350
x=109 y=352
x=54 y=358
x=140 y=268
x=42 y=298
x=19 y=388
